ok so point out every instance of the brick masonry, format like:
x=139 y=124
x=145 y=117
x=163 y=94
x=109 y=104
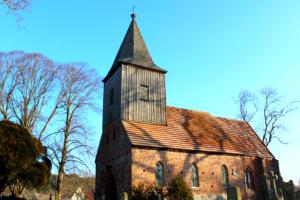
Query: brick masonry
x=133 y=165
x=114 y=152
x=209 y=170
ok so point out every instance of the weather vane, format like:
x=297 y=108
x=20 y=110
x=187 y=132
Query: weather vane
x=133 y=14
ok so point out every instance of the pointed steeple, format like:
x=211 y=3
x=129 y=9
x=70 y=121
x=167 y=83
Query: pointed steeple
x=133 y=50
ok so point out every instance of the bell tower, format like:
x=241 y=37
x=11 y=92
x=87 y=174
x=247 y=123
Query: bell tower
x=134 y=88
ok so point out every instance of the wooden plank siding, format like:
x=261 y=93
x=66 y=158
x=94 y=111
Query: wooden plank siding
x=135 y=109
x=112 y=112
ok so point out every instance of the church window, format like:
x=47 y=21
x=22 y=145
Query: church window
x=194 y=176
x=144 y=92
x=159 y=173
x=111 y=97
x=225 y=178
x=249 y=179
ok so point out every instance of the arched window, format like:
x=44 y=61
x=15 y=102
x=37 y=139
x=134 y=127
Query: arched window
x=194 y=176
x=249 y=179
x=225 y=178
x=159 y=173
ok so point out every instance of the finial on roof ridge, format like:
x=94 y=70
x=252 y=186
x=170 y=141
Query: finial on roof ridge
x=133 y=15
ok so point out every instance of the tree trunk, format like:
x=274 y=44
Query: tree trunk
x=59 y=182
x=61 y=171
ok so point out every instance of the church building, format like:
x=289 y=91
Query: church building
x=145 y=141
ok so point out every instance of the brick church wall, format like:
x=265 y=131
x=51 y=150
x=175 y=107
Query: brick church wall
x=209 y=169
x=132 y=165
x=116 y=154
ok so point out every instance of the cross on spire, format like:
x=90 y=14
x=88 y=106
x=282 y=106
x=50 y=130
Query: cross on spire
x=133 y=15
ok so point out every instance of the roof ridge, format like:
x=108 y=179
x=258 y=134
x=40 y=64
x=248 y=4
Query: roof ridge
x=197 y=111
x=204 y=112
x=130 y=121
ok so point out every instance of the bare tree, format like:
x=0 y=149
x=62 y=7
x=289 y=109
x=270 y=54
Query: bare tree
x=36 y=80
x=34 y=93
x=248 y=105
x=8 y=83
x=80 y=91
x=273 y=109
x=27 y=88
x=15 y=5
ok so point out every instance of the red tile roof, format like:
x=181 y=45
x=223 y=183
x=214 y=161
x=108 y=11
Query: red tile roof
x=198 y=131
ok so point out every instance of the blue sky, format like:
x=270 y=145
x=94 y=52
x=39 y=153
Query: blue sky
x=211 y=49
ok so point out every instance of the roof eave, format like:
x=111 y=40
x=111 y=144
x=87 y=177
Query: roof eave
x=192 y=150
x=110 y=73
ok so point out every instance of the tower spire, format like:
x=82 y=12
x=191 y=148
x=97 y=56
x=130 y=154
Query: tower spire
x=133 y=50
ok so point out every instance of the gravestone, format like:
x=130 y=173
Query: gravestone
x=234 y=193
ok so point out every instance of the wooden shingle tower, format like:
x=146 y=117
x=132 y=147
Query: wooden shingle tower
x=134 y=88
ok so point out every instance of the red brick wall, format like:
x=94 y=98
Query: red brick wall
x=209 y=169
x=116 y=153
